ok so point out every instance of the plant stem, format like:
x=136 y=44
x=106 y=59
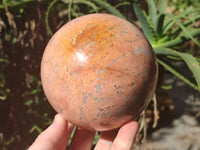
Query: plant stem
x=47 y=16
x=70 y=6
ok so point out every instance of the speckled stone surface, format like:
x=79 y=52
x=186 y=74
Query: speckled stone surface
x=98 y=71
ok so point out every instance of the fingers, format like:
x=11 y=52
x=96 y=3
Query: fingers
x=55 y=137
x=82 y=139
x=126 y=136
x=106 y=140
x=118 y=140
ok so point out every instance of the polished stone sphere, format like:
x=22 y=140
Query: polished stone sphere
x=99 y=71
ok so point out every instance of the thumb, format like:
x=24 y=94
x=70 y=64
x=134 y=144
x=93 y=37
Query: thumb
x=55 y=137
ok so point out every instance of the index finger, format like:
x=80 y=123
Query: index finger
x=55 y=137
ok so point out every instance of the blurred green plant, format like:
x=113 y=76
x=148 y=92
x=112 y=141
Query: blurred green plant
x=182 y=5
x=35 y=91
x=36 y=99
x=5 y=143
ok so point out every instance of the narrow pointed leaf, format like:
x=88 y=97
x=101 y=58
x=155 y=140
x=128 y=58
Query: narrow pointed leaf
x=184 y=14
x=187 y=23
x=159 y=25
x=190 y=60
x=180 y=39
x=122 y=4
x=177 y=74
x=183 y=28
x=162 y=6
x=144 y=22
x=152 y=13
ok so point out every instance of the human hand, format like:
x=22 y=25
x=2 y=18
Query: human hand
x=57 y=135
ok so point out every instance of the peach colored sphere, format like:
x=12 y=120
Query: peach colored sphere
x=99 y=71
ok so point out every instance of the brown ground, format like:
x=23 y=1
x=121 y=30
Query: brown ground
x=179 y=126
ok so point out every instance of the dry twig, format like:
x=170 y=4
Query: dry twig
x=10 y=19
x=155 y=111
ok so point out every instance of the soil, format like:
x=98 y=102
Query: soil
x=22 y=42
x=178 y=127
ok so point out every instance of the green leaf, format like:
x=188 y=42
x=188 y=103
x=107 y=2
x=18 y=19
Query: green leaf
x=108 y=7
x=35 y=128
x=190 y=60
x=193 y=64
x=177 y=74
x=162 y=6
x=183 y=15
x=3 y=97
x=33 y=92
x=157 y=18
x=144 y=22
x=14 y=40
x=122 y=4
x=2 y=60
x=72 y=135
x=166 y=87
x=152 y=13
x=28 y=102
x=159 y=25
x=178 y=40
x=187 y=23
x=183 y=28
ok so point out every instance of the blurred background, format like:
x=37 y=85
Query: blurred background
x=172 y=119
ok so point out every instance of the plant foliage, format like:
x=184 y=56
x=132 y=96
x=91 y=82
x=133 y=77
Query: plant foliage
x=166 y=32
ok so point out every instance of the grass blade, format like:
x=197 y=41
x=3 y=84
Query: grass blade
x=2 y=60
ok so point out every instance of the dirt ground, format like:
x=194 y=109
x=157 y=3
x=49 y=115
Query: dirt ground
x=180 y=129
